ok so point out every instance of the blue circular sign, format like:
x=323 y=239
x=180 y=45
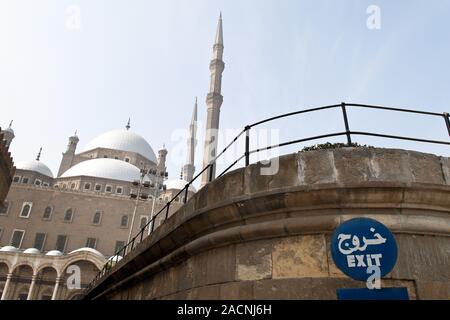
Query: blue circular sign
x=359 y=245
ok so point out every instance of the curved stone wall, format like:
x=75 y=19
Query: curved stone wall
x=253 y=236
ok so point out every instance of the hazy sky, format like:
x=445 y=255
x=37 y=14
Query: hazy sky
x=149 y=59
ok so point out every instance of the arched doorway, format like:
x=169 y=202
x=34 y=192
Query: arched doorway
x=45 y=284
x=4 y=270
x=20 y=282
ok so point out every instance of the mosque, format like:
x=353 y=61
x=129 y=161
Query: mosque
x=101 y=195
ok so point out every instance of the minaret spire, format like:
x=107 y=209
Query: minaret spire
x=214 y=101
x=39 y=154
x=189 y=168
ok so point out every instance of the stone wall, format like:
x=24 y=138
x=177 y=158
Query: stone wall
x=253 y=236
x=7 y=169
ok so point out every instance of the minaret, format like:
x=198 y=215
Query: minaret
x=214 y=100
x=69 y=155
x=162 y=155
x=39 y=154
x=8 y=135
x=189 y=168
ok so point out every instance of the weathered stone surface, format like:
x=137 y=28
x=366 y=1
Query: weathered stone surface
x=211 y=292
x=258 y=177
x=445 y=164
x=425 y=258
x=431 y=290
x=232 y=185
x=352 y=164
x=390 y=165
x=316 y=167
x=254 y=260
x=425 y=168
x=302 y=256
x=236 y=290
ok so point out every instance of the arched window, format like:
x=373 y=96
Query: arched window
x=143 y=222
x=124 y=221
x=47 y=213
x=97 y=217
x=119 y=190
x=87 y=186
x=68 y=216
x=26 y=208
x=72 y=186
x=37 y=182
x=98 y=187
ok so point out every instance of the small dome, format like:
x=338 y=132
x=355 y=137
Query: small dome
x=179 y=184
x=36 y=166
x=10 y=130
x=123 y=140
x=54 y=253
x=115 y=258
x=104 y=168
x=32 y=251
x=87 y=250
x=9 y=249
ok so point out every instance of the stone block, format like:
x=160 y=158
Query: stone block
x=425 y=168
x=433 y=290
x=254 y=260
x=390 y=165
x=316 y=167
x=424 y=258
x=236 y=290
x=260 y=177
x=231 y=185
x=298 y=257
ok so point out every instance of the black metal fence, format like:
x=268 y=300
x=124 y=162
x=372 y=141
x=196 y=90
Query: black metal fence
x=348 y=133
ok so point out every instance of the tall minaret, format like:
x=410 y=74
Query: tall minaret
x=189 y=168
x=213 y=101
x=68 y=157
x=8 y=134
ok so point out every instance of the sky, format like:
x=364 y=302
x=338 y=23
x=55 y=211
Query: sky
x=89 y=65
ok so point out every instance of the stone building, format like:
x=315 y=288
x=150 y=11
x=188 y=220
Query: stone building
x=101 y=196
x=7 y=168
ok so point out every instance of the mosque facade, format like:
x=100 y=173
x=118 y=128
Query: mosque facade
x=82 y=215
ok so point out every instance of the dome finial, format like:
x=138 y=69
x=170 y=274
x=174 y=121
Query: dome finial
x=128 y=125
x=76 y=131
x=39 y=154
x=10 y=124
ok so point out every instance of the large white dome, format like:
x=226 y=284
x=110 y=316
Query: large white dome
x=104 y=168
x=34 y=165
x=123 y=140
x=179 y=184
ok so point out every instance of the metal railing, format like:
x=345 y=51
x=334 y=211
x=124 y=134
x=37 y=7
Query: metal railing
x=347 y=133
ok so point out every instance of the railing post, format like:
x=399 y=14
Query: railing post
x=211 y=171
x=153 y=225
x=167 y=211
x=347 y=129
x=185 y=194
x=447 y=122
x=247 y=145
